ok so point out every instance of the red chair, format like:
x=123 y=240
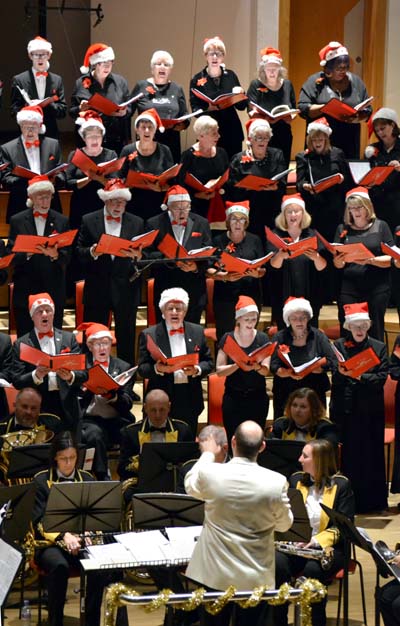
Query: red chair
x=79 y=309
x=210 y=330
x=151 y=309
x=11 y=394
x=389 y=391
x=215 y=391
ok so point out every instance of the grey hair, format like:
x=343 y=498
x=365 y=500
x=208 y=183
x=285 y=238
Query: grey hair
x=204 y=125
x=218 y=433
x=161 y=53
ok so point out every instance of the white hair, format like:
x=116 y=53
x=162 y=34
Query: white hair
x=158 y=54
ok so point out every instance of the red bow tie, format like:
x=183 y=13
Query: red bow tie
x=175 y=223
x=110 y=218
x=49 y=333
x=39 y=214
x=41 y=74
x=103 y=363
x=32 y=144
x=179 y=331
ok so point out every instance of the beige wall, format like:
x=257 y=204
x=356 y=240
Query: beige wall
x=392 y=55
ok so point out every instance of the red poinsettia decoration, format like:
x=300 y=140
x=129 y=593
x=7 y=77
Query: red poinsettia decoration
x=320 y=80
x=54 y=232
x=349 y=344
x=86 y=83
x=231 y=247
x=263 y=89
x=65 y=350
x=196 y=234
x=284 y=349
x=201 y=82
x=51 y=157
x=151 y=90
x=287 y=239
x=343 y=234
x=196 y=348
x=132 y=155
x=246 y=158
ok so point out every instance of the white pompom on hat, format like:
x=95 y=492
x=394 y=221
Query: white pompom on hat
x=385 y=113
x=176 y=193
x=89 y=119
x=356 y=312
x=39 y=43
x=245 y=305
x=40 y=299
x=292 y=305
x=95 y=331
x=152 y=116
x=358 y=191
x=175 y=294
x=114 y=188
x=32 y=114
x=294 y=198
x=331 y=51
x=97 y=53
x=319 y=125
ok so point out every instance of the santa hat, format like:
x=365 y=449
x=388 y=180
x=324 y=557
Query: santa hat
x=37 y=184
x=215 y=42
x=97 y=53
x=331 y=51
x=357 y=312
x=271 y=55
x=292 y=305
x=384 y=113
x=294 y=198
x=176 y=193
x=175 y=294
x=321 y=125
x=238 y=207
x=358 y=191
x=152 y=116
x=253 y=125
x=95 y=331
x=39 y=299
x=88 y=119
x=39 y=43
x=32 y=114
x=244 y=306
x=114 y=188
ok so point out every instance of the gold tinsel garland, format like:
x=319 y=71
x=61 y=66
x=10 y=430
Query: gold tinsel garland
x=312 y=591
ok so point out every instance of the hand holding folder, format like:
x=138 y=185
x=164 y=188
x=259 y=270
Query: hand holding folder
x=143 y=180
x=29 y=243
x=68 y=361
x=90 y=168
x=241 y=358
x=300 y=371
x=175 y=363
x=294 y=248
x=237 y=265
x=101 y=382
x=173 y=250
x=110 y=244
x=224 y=101
x=357 y=364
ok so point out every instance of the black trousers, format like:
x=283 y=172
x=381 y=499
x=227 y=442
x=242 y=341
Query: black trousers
x=100 y=434
x=389 y=603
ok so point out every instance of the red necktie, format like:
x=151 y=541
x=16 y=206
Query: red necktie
x=110 y=218
x=179 y=331
x=41 y=74
x=50 y=333
x=175 y=223
x=32 y=144
x=103 y=363
x=39 y=214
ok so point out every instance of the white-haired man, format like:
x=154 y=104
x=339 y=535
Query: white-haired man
x=175 y=337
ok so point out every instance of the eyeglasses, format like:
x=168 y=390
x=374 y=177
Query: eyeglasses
x=293 y=211
x=363 y=326
x=215 y=53
x=241 y=220
x=260 y=138
x=101 y=342
x=40 y=55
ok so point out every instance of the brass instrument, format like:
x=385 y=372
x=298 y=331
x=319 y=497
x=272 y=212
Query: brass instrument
x=20 y=439
x=388 y=554
x=324 y=555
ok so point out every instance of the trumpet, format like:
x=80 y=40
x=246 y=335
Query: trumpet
x=324 y=555
x=388 y=554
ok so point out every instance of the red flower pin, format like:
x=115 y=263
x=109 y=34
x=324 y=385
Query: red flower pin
x=263 y=89
x=86 y=83
x=54 y=232
x=196 y=348
x=320 y=80
x=132 y=155
x=196 y=234
x=201 y=81
x=230 y=247
x=246 y=159
x=51 y=157
x=343 y=234
x=284 y=349
x=151 y=90
x=349 y=344
x=65 y=350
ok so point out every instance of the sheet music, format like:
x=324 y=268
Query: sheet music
x=359 y=169
x=183 y=540
x=150 y=545
x=10 y=560
x=110 y=553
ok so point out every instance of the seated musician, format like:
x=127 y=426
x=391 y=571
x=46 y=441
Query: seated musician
x=62 y=552
x=389 y=599
x=218 y=433
x=319 y=482
x=58 y=389
x=156 y=426
x=105 y=414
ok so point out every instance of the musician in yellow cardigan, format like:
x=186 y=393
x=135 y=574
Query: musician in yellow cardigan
x=319 y=482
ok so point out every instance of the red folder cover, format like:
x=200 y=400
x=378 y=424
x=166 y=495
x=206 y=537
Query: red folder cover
x=107 y=106
x=88 y=166
x=224 y=101
x=173 y=250
x=236 y=264
x=69 y=361
x=24 y=172
x=178 y=362
x=376 y=176
x=46 y=101
x=211 y=185
x=142 y=179
x=109 y=244
x=184 y=119
x=327 y=183
x=100 y=381
x=341 y=111
x=6 y=260
x=393 y=251
x=241 y=358
x=359 y=363
x=259 y=183
x=353 y=251
x=295 y=248
x=304 y=369
x=29 y=243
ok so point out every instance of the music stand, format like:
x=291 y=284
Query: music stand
x=26 y=461
x=19 y=513
x=300 y=529
x=159 y=464
x=281 y=455
x=157 y=510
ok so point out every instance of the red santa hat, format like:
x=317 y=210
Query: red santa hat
x=89 y=119
x=152 y=116
x=357 y=312
x=175 y=294
x=176 y=193
x=39 y=43
x=295 y=304
x=97 y=53
x=358 y=191
x=294 y=198
x=32 y=114
x=320 y=125
x=245 y=305
x=271 y=55
x=40 y=299
x=238 y=207
x=253 y=125
x=214 y=42
x=38 y=184
x=114 y=188
x=95 y=331
x=331 y=51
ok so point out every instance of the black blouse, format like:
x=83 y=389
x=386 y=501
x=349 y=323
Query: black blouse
x=241 y=380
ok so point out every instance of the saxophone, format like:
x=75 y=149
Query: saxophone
x=324 y=555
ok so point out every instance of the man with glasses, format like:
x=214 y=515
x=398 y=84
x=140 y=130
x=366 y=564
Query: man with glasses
x=192 y=232
x=37 y=83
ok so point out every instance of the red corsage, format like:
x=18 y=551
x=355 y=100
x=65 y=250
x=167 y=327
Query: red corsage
x=55 y=232
x=349 y=344
x=231 y=247
x=284 y=349
x=287 y=239
x=196 y=348
x=65 y=350
x=201 y=82
x=320 y=80
x=132 y=155
x=150 y=90
x=86 y=83
x=343 y=234
x=196 y=234
x=246 y=159
x=51 y=157
x=263 y=89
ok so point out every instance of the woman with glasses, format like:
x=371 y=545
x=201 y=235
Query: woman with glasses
x=215 y=80
x=335 y=81
x=364 y=279
x=166 y=97
x=357 y=407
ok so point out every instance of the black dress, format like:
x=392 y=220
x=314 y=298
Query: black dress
x=226 y=294
x=264 y=205
x=230 y=127
x=268 y=99
x=317 y=345
x=366 y=283
x=297 y=277
x=118 y=129
x=170 y=102
x=357 y=407
x=245 y=396
x=317 y=90
x=146 y=203
x=386 y=197
x=394 y=369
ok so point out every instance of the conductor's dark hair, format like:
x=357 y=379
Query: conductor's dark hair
x=248 y=443
x=62 y=441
